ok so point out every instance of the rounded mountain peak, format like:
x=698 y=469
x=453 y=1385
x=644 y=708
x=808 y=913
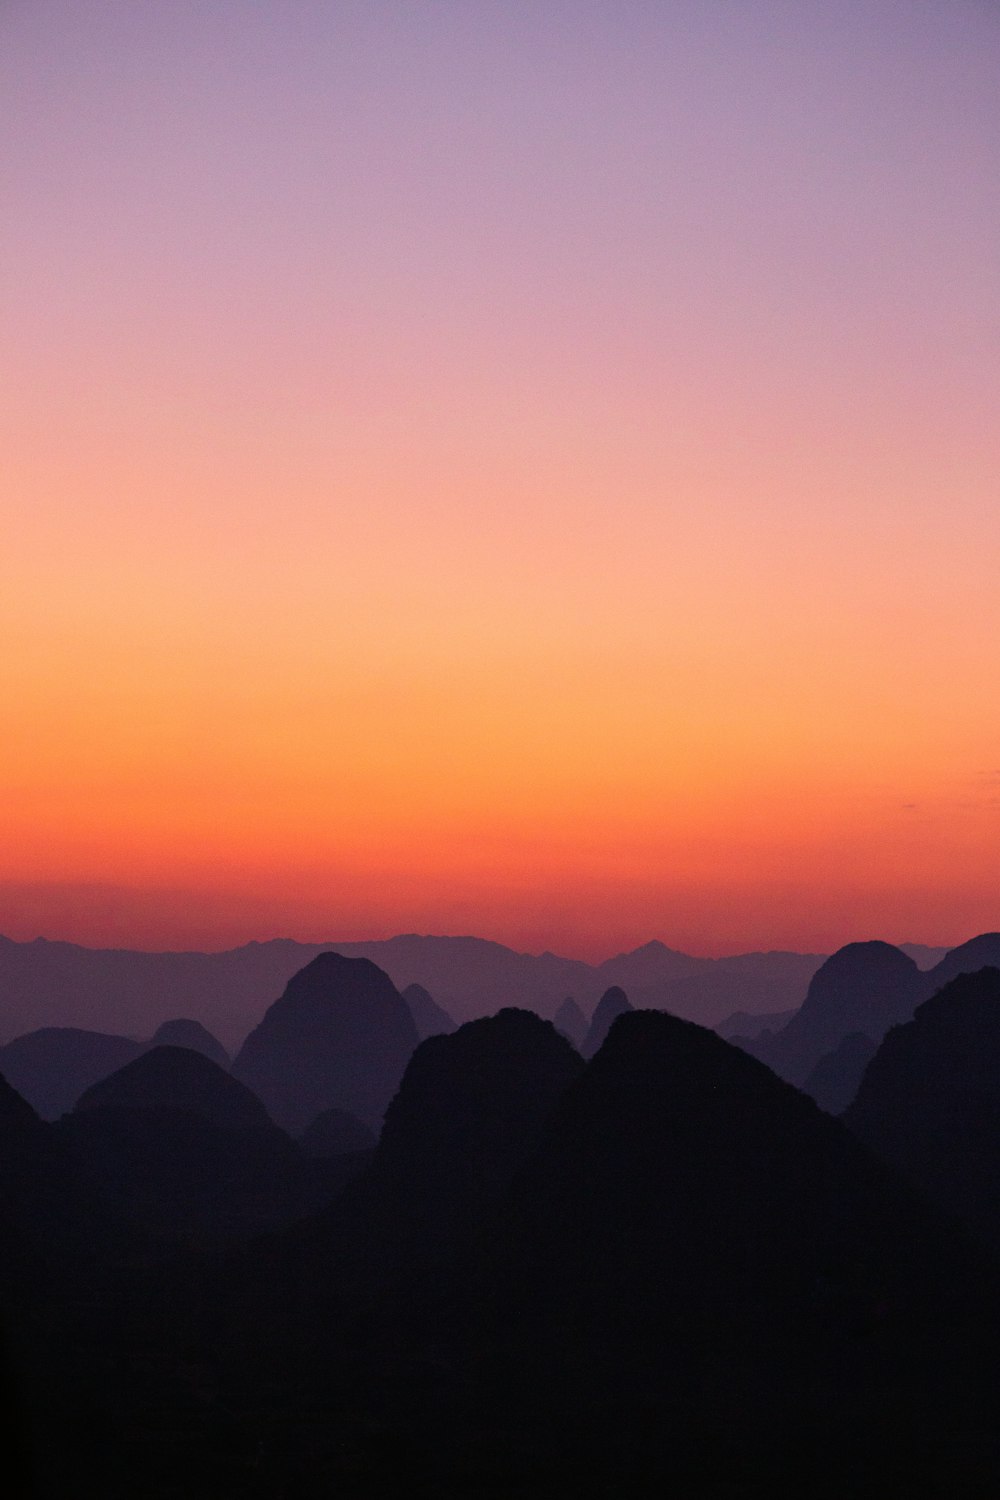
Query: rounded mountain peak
x=338 y=1038
x=469 y=1112
x=332 y=978
x=184 y=1032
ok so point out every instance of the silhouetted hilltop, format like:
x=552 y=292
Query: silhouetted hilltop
x=834 y=1081
x=428 y=1016
x=695 y=1241
x=335 y=1133
x=929 y=1101
x=179 y=1148
x=178 y=1078
x=865 y=987
x=612 y=1004
x=571 y=1021
x=339 y=1037
x=52 y=1067
x=468 y=1114
x=187 y=1033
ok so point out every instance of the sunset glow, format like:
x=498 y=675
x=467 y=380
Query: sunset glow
x=525 y=469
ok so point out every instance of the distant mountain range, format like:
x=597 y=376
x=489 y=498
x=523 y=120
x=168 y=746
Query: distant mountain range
x=44 y=983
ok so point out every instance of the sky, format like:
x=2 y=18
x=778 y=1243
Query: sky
x=526 y=468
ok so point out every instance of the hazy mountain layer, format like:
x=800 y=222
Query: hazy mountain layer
x=46 y=983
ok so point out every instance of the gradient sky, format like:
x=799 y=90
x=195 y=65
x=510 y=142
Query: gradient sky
x=512 y=467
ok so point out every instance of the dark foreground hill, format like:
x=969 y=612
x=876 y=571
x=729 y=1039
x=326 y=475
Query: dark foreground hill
x=681 y=1275
x=929 y=1102
x=663 y=1271
x=470 y=1112
x=700 y=1258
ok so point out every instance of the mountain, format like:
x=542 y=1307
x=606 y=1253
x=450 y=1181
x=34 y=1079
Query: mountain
x=707 y=1280
x=191 y=1034
x=571 y=1021
x=612 y=1004
x=179 y=1148
x=648 y=967
x=929 y=1102
x=339 y=1037
x=864 y=987
x=428 y=1017
x=52 y=1067
x=469 y=1113
x=116 y=990
x=834 y=1081
x=178 y=1078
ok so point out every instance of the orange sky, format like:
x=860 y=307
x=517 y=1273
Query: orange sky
x=465 y=478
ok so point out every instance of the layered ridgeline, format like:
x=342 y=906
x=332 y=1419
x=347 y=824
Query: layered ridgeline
x=852 y=1001
x=121 y=992
x=54 y=1066
x=175 y=1146
x=662 y=1267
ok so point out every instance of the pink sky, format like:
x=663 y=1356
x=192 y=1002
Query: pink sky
x=517 y=468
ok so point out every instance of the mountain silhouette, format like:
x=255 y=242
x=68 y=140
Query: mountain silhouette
x=612 y=1004
x=180 y=1148
x=339 y=1038
x=864 y=987
x=706 y=1263
x=929 y=1102
x=179 y=1078
x=469 y=1112
x=192 y=1034
x=428 y=1016
x=834 y=1081
x=52 y=1067
x=119 y=991
x=571 y=1021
